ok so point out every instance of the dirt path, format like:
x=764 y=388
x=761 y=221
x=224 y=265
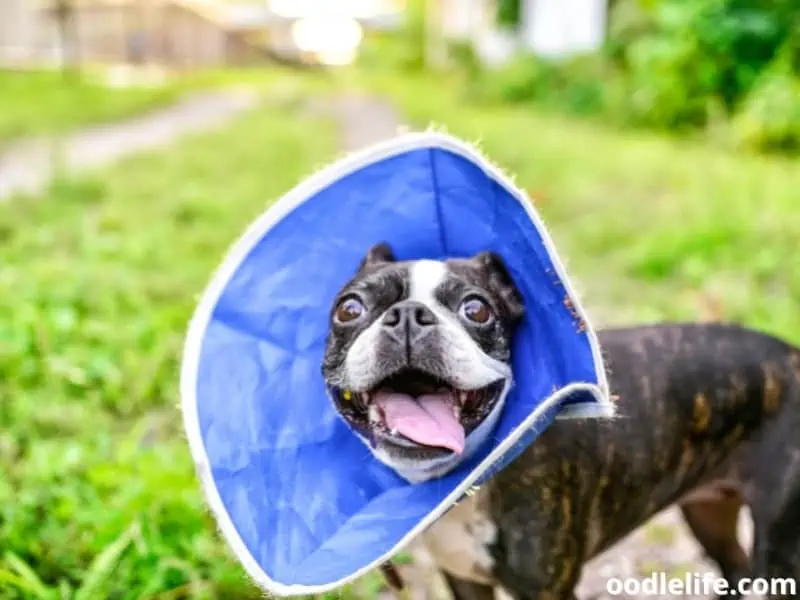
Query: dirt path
x=663 y=544
x=28 y=166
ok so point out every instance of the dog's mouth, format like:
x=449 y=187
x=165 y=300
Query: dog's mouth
x=414 y=408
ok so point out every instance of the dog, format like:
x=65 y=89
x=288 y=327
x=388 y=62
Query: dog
x=417 y=362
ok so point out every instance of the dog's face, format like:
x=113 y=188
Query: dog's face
x=418 y=357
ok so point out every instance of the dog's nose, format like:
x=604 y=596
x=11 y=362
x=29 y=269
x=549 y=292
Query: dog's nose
x=409 y=315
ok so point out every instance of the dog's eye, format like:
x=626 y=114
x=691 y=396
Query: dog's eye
x=476 y=310
x=349 y=309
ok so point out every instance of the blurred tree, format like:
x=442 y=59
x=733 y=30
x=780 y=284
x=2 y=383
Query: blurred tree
x=687 y=58
x=509 y=13
x=678 y=65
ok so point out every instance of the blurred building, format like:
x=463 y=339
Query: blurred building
x=550 y=28
x=187 y=33
x=20 y=29
x=557 y=28
x=177 y=33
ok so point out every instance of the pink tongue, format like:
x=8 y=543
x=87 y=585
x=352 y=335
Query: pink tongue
x=427 y=420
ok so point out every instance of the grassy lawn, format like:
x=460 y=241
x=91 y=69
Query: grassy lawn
x=652 y=228
x=47 y=103
x=98 y=279
x=41 y=102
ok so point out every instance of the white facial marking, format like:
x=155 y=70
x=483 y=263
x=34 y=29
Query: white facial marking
x=469 y=366
x=425 y=277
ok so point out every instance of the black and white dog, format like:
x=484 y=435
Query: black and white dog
x=418 y=357
x=418 y=363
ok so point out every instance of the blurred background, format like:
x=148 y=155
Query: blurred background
x=659 y=140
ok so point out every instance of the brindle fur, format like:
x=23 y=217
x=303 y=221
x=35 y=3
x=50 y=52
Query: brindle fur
x=709 y=418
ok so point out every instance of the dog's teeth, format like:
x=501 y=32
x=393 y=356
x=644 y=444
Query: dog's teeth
x=462 y=398
x=456 y=408
x=374 y=413
x=394 y=431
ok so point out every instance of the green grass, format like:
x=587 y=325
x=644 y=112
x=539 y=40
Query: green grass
x=652 y=228
x=98 y=279
x=44 y=102
x=36 y=103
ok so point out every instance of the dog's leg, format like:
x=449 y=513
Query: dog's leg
x=537 y=559
x=461 y=589
x=776 y=550
x=713 y=519
x=777 y=563
x=774 y=497
x=541 y=515
x=526 y=576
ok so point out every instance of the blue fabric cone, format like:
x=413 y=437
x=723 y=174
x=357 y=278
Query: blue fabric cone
x=298 y=497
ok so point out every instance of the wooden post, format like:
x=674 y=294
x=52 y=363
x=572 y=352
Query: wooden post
x=69 y=36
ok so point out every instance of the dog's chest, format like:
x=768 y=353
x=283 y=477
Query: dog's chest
x=460 y=541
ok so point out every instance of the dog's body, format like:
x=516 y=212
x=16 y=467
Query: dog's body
x=709 y=417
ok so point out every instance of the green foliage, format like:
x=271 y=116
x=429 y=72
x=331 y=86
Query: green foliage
x=770 y=117
x=628 y=20
x=403 y=50
x=519 y=81
x=677 y=65
x=509 y=13
x=463 y=55
x=694 y=56
x=580 y=85
x=669 y=86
